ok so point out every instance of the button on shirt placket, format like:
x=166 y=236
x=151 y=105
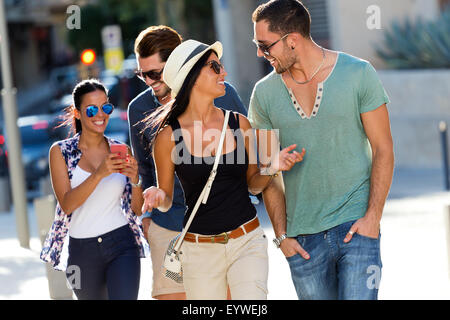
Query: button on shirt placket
x=318 y=99
x=296 y=105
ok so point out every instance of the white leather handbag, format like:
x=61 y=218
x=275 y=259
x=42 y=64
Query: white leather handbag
x=172 y=268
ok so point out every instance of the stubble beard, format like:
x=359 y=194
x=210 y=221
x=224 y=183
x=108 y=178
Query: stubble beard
x=289 y=60
x=164 y=91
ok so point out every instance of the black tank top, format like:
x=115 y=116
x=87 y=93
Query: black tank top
x=228 y=204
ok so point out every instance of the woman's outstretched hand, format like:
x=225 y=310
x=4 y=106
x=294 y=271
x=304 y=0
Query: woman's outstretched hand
x=153 y=198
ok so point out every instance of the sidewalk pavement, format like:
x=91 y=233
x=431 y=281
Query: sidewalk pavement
x=414 y=250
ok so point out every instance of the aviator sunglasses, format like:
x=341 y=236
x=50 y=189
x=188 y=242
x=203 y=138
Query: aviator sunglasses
x=92 y=110
x=215 y=66
x=265 y=48
x=153 y=75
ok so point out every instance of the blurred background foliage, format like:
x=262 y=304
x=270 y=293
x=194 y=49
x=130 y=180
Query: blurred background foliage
x=192 y=18
x=422 y=44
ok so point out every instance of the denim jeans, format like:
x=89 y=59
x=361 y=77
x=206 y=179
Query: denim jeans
x=105 y=267
x=337 y=270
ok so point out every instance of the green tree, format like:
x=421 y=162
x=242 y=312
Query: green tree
x=132 y=16
x=88 y=36
x=192 y=18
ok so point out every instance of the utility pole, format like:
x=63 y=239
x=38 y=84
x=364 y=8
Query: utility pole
x=223 y=21
x=16 y=171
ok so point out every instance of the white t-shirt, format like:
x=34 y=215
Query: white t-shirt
x=101 y=212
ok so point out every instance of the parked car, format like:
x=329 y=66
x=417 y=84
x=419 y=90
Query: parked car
x=64 y=79
x=111 y=83
x=3 y=155
x=38 y=133
x=59 y=104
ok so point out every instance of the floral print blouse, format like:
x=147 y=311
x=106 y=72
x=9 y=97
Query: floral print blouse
x=56 y=237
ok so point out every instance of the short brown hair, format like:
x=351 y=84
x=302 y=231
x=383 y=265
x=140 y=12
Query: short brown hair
x=157 y=39
x=284 y=16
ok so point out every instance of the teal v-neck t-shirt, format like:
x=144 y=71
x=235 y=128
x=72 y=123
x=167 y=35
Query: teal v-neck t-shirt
x=331 y=185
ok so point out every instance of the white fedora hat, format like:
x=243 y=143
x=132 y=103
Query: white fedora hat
x=182 y=59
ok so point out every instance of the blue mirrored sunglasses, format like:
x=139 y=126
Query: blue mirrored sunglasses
x=107 y=108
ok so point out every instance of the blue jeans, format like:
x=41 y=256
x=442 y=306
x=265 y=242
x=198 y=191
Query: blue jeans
x=105 y=267
x=337 y=270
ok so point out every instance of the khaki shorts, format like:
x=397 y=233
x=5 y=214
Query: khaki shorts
x=158 y=239
x=241 y=264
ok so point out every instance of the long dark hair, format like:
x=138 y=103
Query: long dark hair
x=82 y=88
x=165 y=114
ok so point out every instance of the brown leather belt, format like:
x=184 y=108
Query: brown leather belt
x=225 y=236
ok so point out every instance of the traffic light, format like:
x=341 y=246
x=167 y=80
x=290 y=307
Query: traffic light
x=88 y=57
x=88 y=67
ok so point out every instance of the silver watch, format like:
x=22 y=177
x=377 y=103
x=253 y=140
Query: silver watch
x=277 y=241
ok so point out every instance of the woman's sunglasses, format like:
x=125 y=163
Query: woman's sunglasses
x=107 y=108
x=215 y=66
x=153 y=75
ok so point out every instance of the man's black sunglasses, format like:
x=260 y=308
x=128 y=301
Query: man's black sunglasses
x=265 y=48
x=153 y=75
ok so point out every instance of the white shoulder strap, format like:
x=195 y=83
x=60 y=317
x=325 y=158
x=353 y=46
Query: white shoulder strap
x=213 y=173
x=207 y=188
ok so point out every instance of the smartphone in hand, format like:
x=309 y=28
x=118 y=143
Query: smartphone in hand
x=121 y=149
